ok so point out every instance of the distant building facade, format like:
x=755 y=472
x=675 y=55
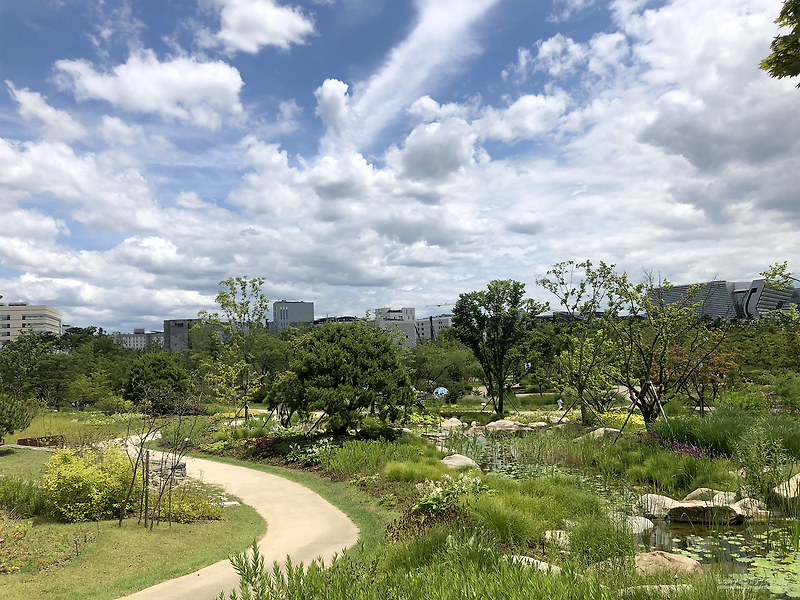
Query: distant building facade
x=430 y=327
x=730 y=300
x=176 y=334
x=18 y=317
x=139 y=339
x=400 y=320
x=290 y=314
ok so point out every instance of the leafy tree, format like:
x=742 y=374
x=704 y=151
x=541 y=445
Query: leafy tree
x=582 y=291
x=158 y=380
x=444 y=362
x=784 y=61
x=349 y=369
x=494 y=324
x=15 y=414
x=20 y=360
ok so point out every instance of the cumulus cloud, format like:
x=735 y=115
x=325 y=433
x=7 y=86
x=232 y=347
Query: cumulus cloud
x=250 y=25
x=184 y=88
x=57 y=124
x=564 y=9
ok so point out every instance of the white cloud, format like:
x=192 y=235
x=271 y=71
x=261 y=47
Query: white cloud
x=564 y=9
x=560 y=56
x=58 y=124
x=529 y=116
x=250 y=25
x=183 y=88
x=117 y=132
x=438 y=46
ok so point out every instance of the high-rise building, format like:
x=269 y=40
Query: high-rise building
x=430 y=327
x=176 y=334
x=290 y=314
x=16 y=317
x=401 y=322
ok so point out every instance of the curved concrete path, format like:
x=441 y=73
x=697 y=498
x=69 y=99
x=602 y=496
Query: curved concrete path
x=299 y=523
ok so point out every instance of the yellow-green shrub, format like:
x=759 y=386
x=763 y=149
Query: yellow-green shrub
x=86 y=486
x=429 y=468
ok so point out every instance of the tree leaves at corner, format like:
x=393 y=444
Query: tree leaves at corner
x=784 y=61
x=16 y=413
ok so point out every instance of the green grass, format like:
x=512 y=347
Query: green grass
x=28 y=464
x=117 y=561
x=78 y=427
x=364 y=510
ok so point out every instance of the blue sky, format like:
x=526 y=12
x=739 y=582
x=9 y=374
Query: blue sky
x=366 y=153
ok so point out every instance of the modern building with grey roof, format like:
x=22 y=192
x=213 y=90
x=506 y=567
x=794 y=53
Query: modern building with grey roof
x=729 y=299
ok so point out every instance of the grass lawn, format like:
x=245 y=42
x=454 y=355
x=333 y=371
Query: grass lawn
x=362 y=509
x=28 y=464
x=113 y=561
x=78 y=427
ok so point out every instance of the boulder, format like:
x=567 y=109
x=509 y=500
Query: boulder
x=536 y=425
x=557 y=538
x=752 y=509
x=537 y=564
x=452 y=423
x=554 y=419
x=505 y=426
x=476 y=430
x=654 y=506
x=639 y=525
x=723 y=498
x=597 y=434
x=457 y=461
x=789 y=489
x=698 y=511
x=702 y=493
x=653 y=562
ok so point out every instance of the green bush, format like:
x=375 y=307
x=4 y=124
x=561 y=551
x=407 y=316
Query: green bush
x=748 y=398
x=176 y=432
x=23 y=499
x=596 y=539
x=88 y=486
x=189 y=508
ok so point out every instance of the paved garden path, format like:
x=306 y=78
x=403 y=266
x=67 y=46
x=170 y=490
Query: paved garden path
x=299 y=523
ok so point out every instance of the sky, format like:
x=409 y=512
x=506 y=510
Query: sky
x=370 y=153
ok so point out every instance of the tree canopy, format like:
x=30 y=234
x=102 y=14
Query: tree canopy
x=784 y=61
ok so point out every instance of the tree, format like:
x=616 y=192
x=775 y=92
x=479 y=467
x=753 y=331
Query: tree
x=158 y=380
x=784 y=61
x=242 y=324
x=444 y=362
x=494 y=324
x=349 y=369
x=15 y=414
x=582 y=291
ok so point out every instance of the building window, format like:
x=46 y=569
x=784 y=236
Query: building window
x=5 y=317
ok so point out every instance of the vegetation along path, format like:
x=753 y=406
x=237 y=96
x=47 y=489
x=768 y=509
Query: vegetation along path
x=299 y=524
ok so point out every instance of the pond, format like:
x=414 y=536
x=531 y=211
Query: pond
x=763 y=555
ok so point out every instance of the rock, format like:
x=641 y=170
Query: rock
x=538 y=564
x=788 y=489
x=639 y=525
x=476 y=430
x=698 y=511
x=452 y=423
x=599 y=433
x=702 y=493
x=554 y=419
x=653 y=562
x=457 y=461
x=669 y=590
x=723 y=498
x=504 y=425
x=557 y=538
x=654 y=506
x=752 y=509
x=537 y=425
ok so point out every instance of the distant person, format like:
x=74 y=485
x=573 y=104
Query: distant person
x=560 y=404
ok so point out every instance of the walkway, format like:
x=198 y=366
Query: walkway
x=299 y=523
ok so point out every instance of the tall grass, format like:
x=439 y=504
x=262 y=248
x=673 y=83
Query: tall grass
x=359 y=458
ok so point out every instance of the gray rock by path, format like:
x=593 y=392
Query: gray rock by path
x=537 y=564
x=457 y=461
x=698 y=511
x=654 y=562
x=654 y=506
x=702 y=493
x=788 y=490
x=452 y=423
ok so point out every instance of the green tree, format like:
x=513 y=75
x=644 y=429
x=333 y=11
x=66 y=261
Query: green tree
x=157 y=380
x=15 y=414
x=349 y=370
x=444 y=362
x=582 y=291
x=784 y=61
x=494 y=324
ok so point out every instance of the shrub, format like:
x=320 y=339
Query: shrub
x=87 y=486
x=189 y=508
x=111 y=405
x=21 y=498
x=414 y=472
x=595 y=539
x=747 y=398
x=176 y=432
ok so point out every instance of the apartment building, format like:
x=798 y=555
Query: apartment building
x=176 y=334
x=401 y=322
x=139 y=339
x=430 y=327
x=290 y=314
x=16 y=317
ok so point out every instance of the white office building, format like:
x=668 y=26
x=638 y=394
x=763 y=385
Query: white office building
x=139 y=339
x=17 y=317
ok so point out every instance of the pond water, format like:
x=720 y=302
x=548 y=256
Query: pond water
x=754 y=554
